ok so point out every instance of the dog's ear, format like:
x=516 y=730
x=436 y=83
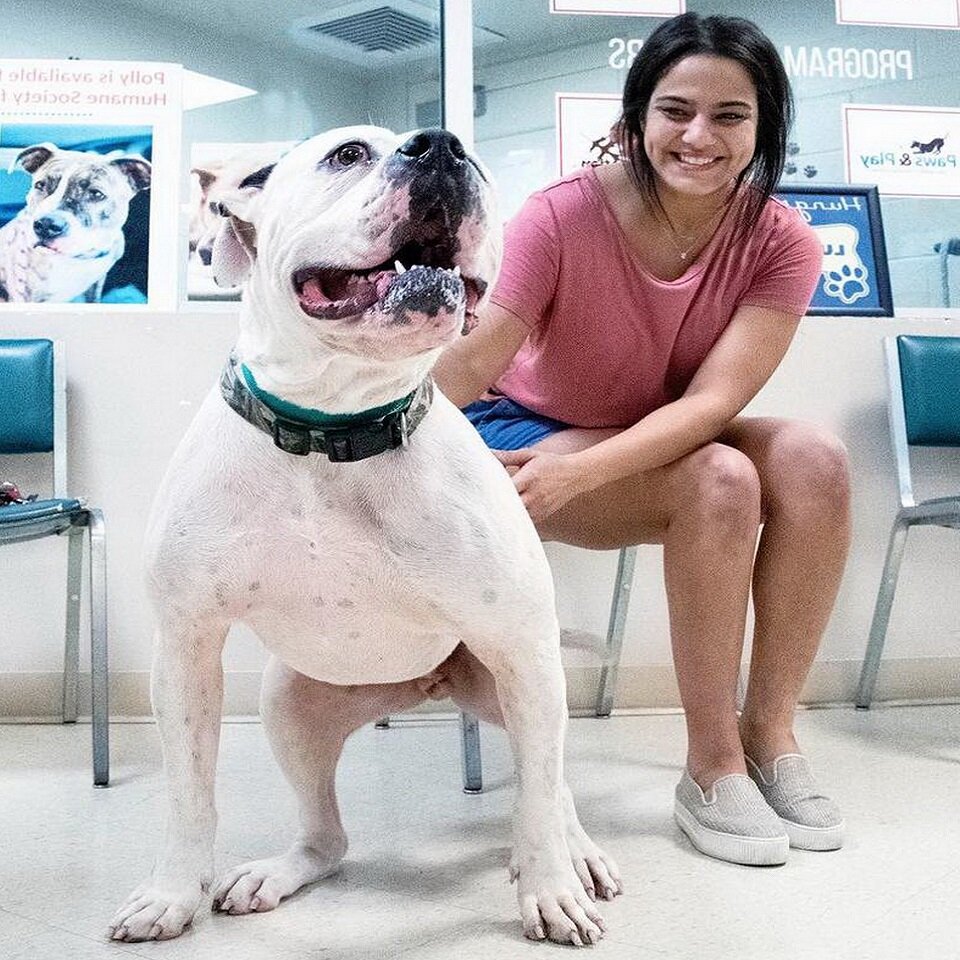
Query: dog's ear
x=235 y=247
x=137 y=170
x=206 y=178
x=234 y=250
x=33 y=158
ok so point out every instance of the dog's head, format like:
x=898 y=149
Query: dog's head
x=79 y=201
x=381 y=245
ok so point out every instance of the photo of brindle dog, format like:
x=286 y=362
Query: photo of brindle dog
x=74 y=214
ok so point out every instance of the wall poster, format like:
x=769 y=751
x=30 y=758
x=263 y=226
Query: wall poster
x=855 y=280
x=929 y=14
x=89 y=161
x=216 y=169
x=621 y=8
x=583 y=129
x=905 y=151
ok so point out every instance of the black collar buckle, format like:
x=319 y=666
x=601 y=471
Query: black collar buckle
x=291 y=437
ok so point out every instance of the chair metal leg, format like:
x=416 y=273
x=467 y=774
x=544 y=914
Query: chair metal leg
x=71 y=646
x=470 y=753
x=98 y=649
x=615 y=628
x=881 y=613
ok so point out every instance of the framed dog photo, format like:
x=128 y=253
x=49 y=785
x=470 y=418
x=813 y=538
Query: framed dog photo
x=620 y=8
x=855 y=279
x=216 y=170
x=75 y=213
x=583 y=130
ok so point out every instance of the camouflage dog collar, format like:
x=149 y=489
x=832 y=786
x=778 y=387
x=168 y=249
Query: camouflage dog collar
x=343 y=438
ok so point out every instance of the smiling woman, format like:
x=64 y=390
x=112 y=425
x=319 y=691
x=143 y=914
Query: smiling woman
x=641 y=306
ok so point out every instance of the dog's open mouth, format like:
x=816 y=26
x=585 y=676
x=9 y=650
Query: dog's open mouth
x=330 y=293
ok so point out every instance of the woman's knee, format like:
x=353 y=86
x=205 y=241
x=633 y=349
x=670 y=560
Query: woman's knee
x=721 y=486
x=808 y=468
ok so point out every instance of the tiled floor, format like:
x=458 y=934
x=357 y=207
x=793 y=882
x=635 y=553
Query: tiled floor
x=425 y=876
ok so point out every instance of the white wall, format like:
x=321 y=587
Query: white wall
x=135 y=382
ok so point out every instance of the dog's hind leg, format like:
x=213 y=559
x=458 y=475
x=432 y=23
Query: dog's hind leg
x=470 y=684
x=307 y=723
x=187 y=693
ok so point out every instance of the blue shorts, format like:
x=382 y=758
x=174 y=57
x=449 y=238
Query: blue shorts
x=505 y=425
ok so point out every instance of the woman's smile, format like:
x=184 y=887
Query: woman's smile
x=700 y=128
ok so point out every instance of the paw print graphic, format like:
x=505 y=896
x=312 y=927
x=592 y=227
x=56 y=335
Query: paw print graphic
x=848 y=284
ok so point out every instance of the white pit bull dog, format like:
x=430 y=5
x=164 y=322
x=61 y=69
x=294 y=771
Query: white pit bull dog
x=391 y=558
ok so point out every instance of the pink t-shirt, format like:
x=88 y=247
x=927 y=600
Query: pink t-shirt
x=609 y=342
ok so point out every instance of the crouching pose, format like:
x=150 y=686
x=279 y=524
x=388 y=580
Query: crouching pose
x=641 y=306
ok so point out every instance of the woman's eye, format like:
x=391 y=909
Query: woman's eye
x=731 y=117
x=350 y=154
x=675 y=113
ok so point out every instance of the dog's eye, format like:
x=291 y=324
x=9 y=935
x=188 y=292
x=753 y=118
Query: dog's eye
x=349 y=154
x=41 y=186
x=96 y=194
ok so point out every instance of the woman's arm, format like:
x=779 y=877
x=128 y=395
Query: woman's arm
x=472 y=363
x=740 y=363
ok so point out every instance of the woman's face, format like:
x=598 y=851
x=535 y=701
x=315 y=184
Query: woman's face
x=701 y=125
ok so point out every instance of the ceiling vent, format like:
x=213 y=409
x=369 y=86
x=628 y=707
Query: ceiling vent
x=369 y=33
x=382 y=29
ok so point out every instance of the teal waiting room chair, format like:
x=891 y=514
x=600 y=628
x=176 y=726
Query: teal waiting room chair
x=33 y=421
x=923 y=379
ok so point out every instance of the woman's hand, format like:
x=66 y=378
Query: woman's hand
x=545 y=481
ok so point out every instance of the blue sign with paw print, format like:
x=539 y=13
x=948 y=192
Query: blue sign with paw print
x=855 y=280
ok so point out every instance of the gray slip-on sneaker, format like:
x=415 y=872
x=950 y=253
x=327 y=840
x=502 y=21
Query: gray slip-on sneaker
x=812 y=820
x=730 y=821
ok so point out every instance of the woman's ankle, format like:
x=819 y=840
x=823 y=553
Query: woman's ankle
x=765 y=740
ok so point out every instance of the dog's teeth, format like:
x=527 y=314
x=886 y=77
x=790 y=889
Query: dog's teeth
x=456 y=270
x=399 y=267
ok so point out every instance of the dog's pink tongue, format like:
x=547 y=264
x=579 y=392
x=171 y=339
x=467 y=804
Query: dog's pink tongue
x=312 y=294
x=338 y=294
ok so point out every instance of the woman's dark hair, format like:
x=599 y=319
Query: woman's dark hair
x=737 y=39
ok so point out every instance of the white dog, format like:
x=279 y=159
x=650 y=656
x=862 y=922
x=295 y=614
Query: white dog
x=391 y=559
x=69 y=234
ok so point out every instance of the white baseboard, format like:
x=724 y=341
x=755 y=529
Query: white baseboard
x=643 y=686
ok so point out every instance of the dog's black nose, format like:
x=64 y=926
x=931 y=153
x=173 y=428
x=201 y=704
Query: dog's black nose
x=432 y=145
x=47 y=228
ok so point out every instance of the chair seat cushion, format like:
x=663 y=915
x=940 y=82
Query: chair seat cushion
x=15 y=513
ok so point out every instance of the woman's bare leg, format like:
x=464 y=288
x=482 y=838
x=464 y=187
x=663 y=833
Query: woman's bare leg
x=705 y=510
x=806 y=534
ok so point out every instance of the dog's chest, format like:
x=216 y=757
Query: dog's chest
x=351 y=591
x=351 y=573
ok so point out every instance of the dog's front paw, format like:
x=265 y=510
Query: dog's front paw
x=598 y=871
x=260 y=885
x=554 y=903
x=156 y=911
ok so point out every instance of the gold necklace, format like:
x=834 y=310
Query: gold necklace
x=691 y=239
